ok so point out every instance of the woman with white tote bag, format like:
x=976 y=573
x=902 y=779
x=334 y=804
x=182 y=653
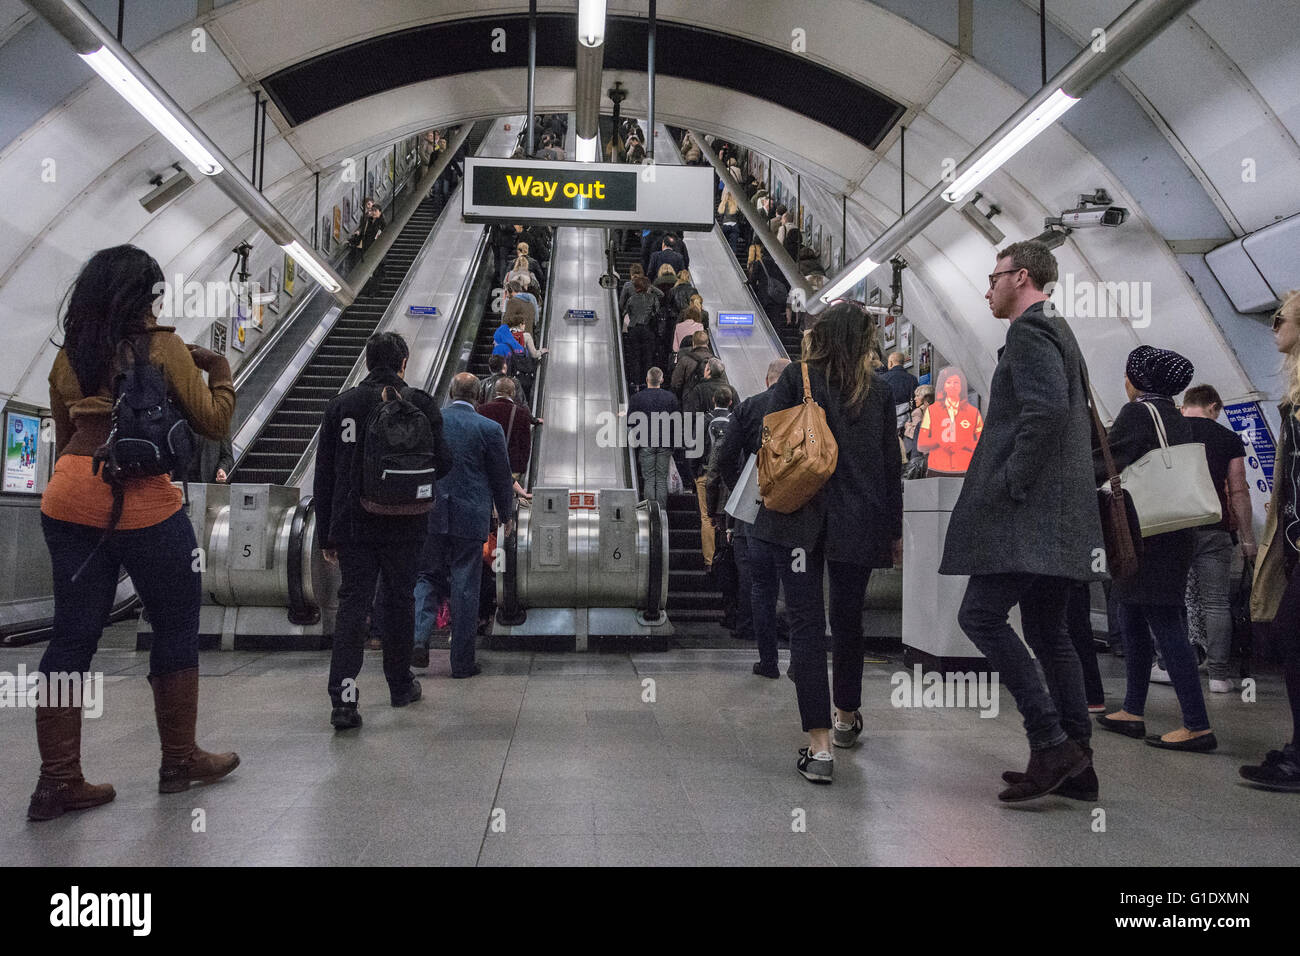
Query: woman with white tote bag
x=1152 y=600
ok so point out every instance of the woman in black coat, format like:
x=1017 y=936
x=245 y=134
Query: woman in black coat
x=853 y=524
x=1152 y=600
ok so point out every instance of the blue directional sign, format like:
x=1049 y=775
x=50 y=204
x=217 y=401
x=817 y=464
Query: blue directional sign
x=735 y=319
x=422 y=310
x=581 y=315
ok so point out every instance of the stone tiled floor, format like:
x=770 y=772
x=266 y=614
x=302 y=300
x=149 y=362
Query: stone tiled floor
x=557 y=759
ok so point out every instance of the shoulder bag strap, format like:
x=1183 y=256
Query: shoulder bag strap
x=1159 y=423
x=807 y=386
x=1112 y=476
x=513 y=408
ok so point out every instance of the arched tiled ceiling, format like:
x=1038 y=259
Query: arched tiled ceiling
x=952 y=100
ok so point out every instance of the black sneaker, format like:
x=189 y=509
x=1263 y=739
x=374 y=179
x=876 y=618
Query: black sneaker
x=764 y=671
x=420 y=657
x=816 y=767
x=846 y=735
x=410 y=696
x=1279 y=771
x=472 y=672
x=345 y=717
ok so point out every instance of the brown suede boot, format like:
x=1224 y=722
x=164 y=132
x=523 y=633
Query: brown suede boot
x=1082 y=786
x=61 y=786
x=176 y=705
x=1047 y=770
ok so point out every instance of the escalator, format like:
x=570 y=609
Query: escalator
x=288 y=432
x=791 y=337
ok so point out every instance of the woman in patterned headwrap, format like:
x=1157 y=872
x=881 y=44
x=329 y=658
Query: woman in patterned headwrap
x=1151 y=601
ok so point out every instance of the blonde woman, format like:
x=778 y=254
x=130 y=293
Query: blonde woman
x=1276 y=593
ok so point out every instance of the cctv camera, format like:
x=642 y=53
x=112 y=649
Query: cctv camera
x=1096 y=216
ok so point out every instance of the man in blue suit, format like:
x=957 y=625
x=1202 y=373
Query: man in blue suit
x=460 y=522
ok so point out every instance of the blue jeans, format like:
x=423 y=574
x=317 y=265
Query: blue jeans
x=807 y=612
x=459 y=561
x=160 y=560
x=1168 y=624
x=1053 y=704
x=1208 y=611
x=654 y=473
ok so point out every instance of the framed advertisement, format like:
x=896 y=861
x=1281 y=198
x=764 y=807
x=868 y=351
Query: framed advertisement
x=289 y=270
x=239 y=328
x=905 y=341
x=370 y=183
x=22 y=452
x=338 y=224
x=923 y=364
x=272 y=287
x=325 y=233
x=356 y=205
x=888 y=333
x=347 y=210
x=219 y=337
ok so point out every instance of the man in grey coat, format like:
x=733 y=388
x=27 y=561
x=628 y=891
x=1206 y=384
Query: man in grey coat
x=1027 y=525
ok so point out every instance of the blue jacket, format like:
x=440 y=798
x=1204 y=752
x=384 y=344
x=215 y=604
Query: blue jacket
x=479 y=478
x=505 y=342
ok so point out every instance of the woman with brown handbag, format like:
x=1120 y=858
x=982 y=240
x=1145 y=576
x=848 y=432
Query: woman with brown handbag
x=853 y=524
x=1275 y=595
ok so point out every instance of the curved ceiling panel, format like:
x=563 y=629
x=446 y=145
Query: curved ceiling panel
x=376 y=65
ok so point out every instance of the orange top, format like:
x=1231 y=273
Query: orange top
x=81 y=424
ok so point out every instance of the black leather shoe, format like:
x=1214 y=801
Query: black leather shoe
x=1196 y=745
x=1047 y=770
x=410 y=696
x=1137 y=729
x=472 y=672
x=773 y=672
x=1279 y=771
x=420 y=657
x=345 y=717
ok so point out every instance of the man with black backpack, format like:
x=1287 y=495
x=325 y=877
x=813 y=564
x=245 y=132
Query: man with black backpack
x=380 y=453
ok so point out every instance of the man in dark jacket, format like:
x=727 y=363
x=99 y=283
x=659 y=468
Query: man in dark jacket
x=460 y=523
x=690 y=362
x=666 y=255
x=902 y=383
x=650 y=416
x=1026 y=525
x=214 y=462
x=515 y=420
x=753 y=607
x=365 y=546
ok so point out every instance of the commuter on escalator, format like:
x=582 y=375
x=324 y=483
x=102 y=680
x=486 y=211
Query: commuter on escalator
x=638 y=328
x=650 y=412
x=628 y=287
x=460 y=523
x=678 y=297
x=371 y=229
x=668 y=255
x=716 y=419
x=729 y=216
x=755 y=607
x=1151 y=602
x=512 y=414
x=689 y=370
x=94 y=529
x=692 y=321
x=523 y=365
x=517 y=289
x=371 y=544
x=852 y=525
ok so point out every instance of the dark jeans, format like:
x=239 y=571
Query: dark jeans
x=1053 y=712
x=745 y=588
x=1168 y=622
x=765 y=586
x=459 y=560
x=360 y=566
x=1079 y=622
x=807 y=612
x=640 y=352
x=1285 y=637
x=160 y=560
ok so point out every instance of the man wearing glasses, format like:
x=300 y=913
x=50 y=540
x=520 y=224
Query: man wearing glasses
x=1027 y=526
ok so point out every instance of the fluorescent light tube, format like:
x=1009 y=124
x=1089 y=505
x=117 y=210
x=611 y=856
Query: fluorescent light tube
x=311 y=265
x=1013 y=142
x=586 y=151
x=591 y=22
x=848 y=280
x=104 y=62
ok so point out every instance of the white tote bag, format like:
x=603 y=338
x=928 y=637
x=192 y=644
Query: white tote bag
x=1171 y=485
x=745 y=500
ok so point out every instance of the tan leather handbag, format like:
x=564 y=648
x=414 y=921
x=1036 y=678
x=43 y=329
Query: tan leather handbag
x=798 y=454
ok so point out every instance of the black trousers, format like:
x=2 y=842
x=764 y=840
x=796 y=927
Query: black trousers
x=1079 y=621
x=640 y=352
x=360 y=566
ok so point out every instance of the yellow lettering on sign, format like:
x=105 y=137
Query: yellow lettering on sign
x=527 y=186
